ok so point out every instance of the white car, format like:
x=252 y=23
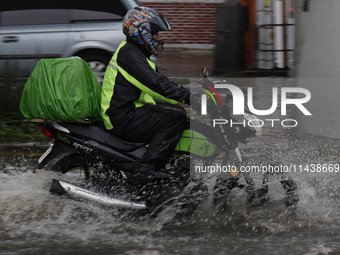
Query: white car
x=33 y=30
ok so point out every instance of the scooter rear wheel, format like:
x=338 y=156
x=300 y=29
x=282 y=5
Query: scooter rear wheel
x=75 y=165
x=79 y=168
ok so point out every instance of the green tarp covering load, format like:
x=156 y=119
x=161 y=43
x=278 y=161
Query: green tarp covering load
x=61 y=89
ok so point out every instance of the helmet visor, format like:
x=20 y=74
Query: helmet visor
x=159 y=23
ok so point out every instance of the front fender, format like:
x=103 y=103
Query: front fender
x=200 y=140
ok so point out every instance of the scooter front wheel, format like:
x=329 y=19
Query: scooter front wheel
x=271 y=181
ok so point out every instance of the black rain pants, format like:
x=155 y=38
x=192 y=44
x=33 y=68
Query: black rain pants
x=158 y=125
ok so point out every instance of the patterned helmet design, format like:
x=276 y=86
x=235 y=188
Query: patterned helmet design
x=141 y=24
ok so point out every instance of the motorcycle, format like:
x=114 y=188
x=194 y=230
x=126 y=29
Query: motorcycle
x=97 y=164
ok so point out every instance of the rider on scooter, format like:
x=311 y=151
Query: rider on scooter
x=130 y=84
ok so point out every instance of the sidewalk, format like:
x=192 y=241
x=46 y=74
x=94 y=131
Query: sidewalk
x=188 y=60
x=20 y=147
x=185 y=62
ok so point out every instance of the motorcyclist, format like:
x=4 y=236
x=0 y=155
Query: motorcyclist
x=130 y=85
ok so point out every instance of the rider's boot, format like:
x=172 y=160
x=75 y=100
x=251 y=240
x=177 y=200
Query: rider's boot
x=152 y=183
x=143 y=173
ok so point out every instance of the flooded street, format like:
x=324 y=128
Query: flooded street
x=34 y=221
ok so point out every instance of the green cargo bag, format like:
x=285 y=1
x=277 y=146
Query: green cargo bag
x=61 y=89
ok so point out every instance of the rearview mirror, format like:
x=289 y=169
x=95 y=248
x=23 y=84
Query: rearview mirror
x=204 y=73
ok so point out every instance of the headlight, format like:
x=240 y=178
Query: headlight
x=254 y=122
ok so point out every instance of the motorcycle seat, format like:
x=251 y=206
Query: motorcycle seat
x=98 y=133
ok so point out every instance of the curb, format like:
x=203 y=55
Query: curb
x=190 y=47
x=16 y=146
x=258 y=73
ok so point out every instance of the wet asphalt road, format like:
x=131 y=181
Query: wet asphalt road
x=33 y=221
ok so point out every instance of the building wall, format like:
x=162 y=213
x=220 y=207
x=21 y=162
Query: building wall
x=193 y=22
x=317 y=65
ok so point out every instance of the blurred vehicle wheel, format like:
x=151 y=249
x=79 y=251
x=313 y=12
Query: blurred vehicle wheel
x=98 y=63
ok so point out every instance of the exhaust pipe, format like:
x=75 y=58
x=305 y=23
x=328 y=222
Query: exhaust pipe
x=62 y=187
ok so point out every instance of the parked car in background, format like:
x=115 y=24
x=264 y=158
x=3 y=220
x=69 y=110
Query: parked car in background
x=32 y=30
